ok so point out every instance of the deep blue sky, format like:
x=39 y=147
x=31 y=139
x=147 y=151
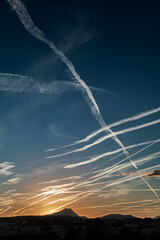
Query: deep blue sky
x=114 y=46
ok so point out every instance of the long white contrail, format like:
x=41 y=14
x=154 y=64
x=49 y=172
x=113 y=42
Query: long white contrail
x=98 y=141
x=21 y=83
x=117 y=123
x=126 y=179
x=116 y=168
x=91 y=182
x=27 y=22
x=108 y=171
x=141 y=150
x=93 y=159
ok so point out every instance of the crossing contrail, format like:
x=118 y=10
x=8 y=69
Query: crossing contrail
x=117 y=123
x=103 y=173
x=27 y=22
x=91 y=181
x=20 y=83
x=117 y=182
x=98 y=141
x=93 y=159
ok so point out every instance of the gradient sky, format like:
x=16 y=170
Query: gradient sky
x=114 y=47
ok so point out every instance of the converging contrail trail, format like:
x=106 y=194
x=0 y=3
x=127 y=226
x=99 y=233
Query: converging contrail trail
x=95 y=133
x=144 y=125
x=27 y=22
x=93 y=159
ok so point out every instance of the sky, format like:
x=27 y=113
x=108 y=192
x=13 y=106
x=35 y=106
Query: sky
x=80 y=114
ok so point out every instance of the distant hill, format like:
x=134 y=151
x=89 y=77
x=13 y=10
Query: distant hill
x=118 y=216
x=66 y=212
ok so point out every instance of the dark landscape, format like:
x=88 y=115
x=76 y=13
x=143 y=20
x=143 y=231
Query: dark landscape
x=66 y=225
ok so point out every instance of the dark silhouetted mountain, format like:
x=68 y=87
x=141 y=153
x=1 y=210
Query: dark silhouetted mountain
x=66 y=212
x=118 y=216
x=67 y=225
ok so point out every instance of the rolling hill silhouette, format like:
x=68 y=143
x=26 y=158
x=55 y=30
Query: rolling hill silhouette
x=118 y=216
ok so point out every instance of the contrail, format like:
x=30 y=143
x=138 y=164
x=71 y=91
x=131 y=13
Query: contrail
x=89 y=183
x=27 y=22
x=16 y=83
x=93 y=159
x=49 y=194
x=125 y=179
x=144 y=125
x=95 y=191
x=105 y=172
x=83 y=194
x=116 y=167
x=95 y=133
x=128 y=147
x=21 y=83
x=5 y=210
x=92 y=182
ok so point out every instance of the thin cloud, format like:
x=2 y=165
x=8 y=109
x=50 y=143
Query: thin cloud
x=5 y=168
x=12 y=181
x=61 y=179
x=5 y=210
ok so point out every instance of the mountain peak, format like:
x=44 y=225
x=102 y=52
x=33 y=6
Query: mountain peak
x=66 y=212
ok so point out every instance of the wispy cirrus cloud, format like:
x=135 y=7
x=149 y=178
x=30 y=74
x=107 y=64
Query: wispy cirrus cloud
x=20 y=83
x=122 y=189
x=4 y=210
x=5 y=168
x=12 y=181
x=61 y=179
x=10 y=197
